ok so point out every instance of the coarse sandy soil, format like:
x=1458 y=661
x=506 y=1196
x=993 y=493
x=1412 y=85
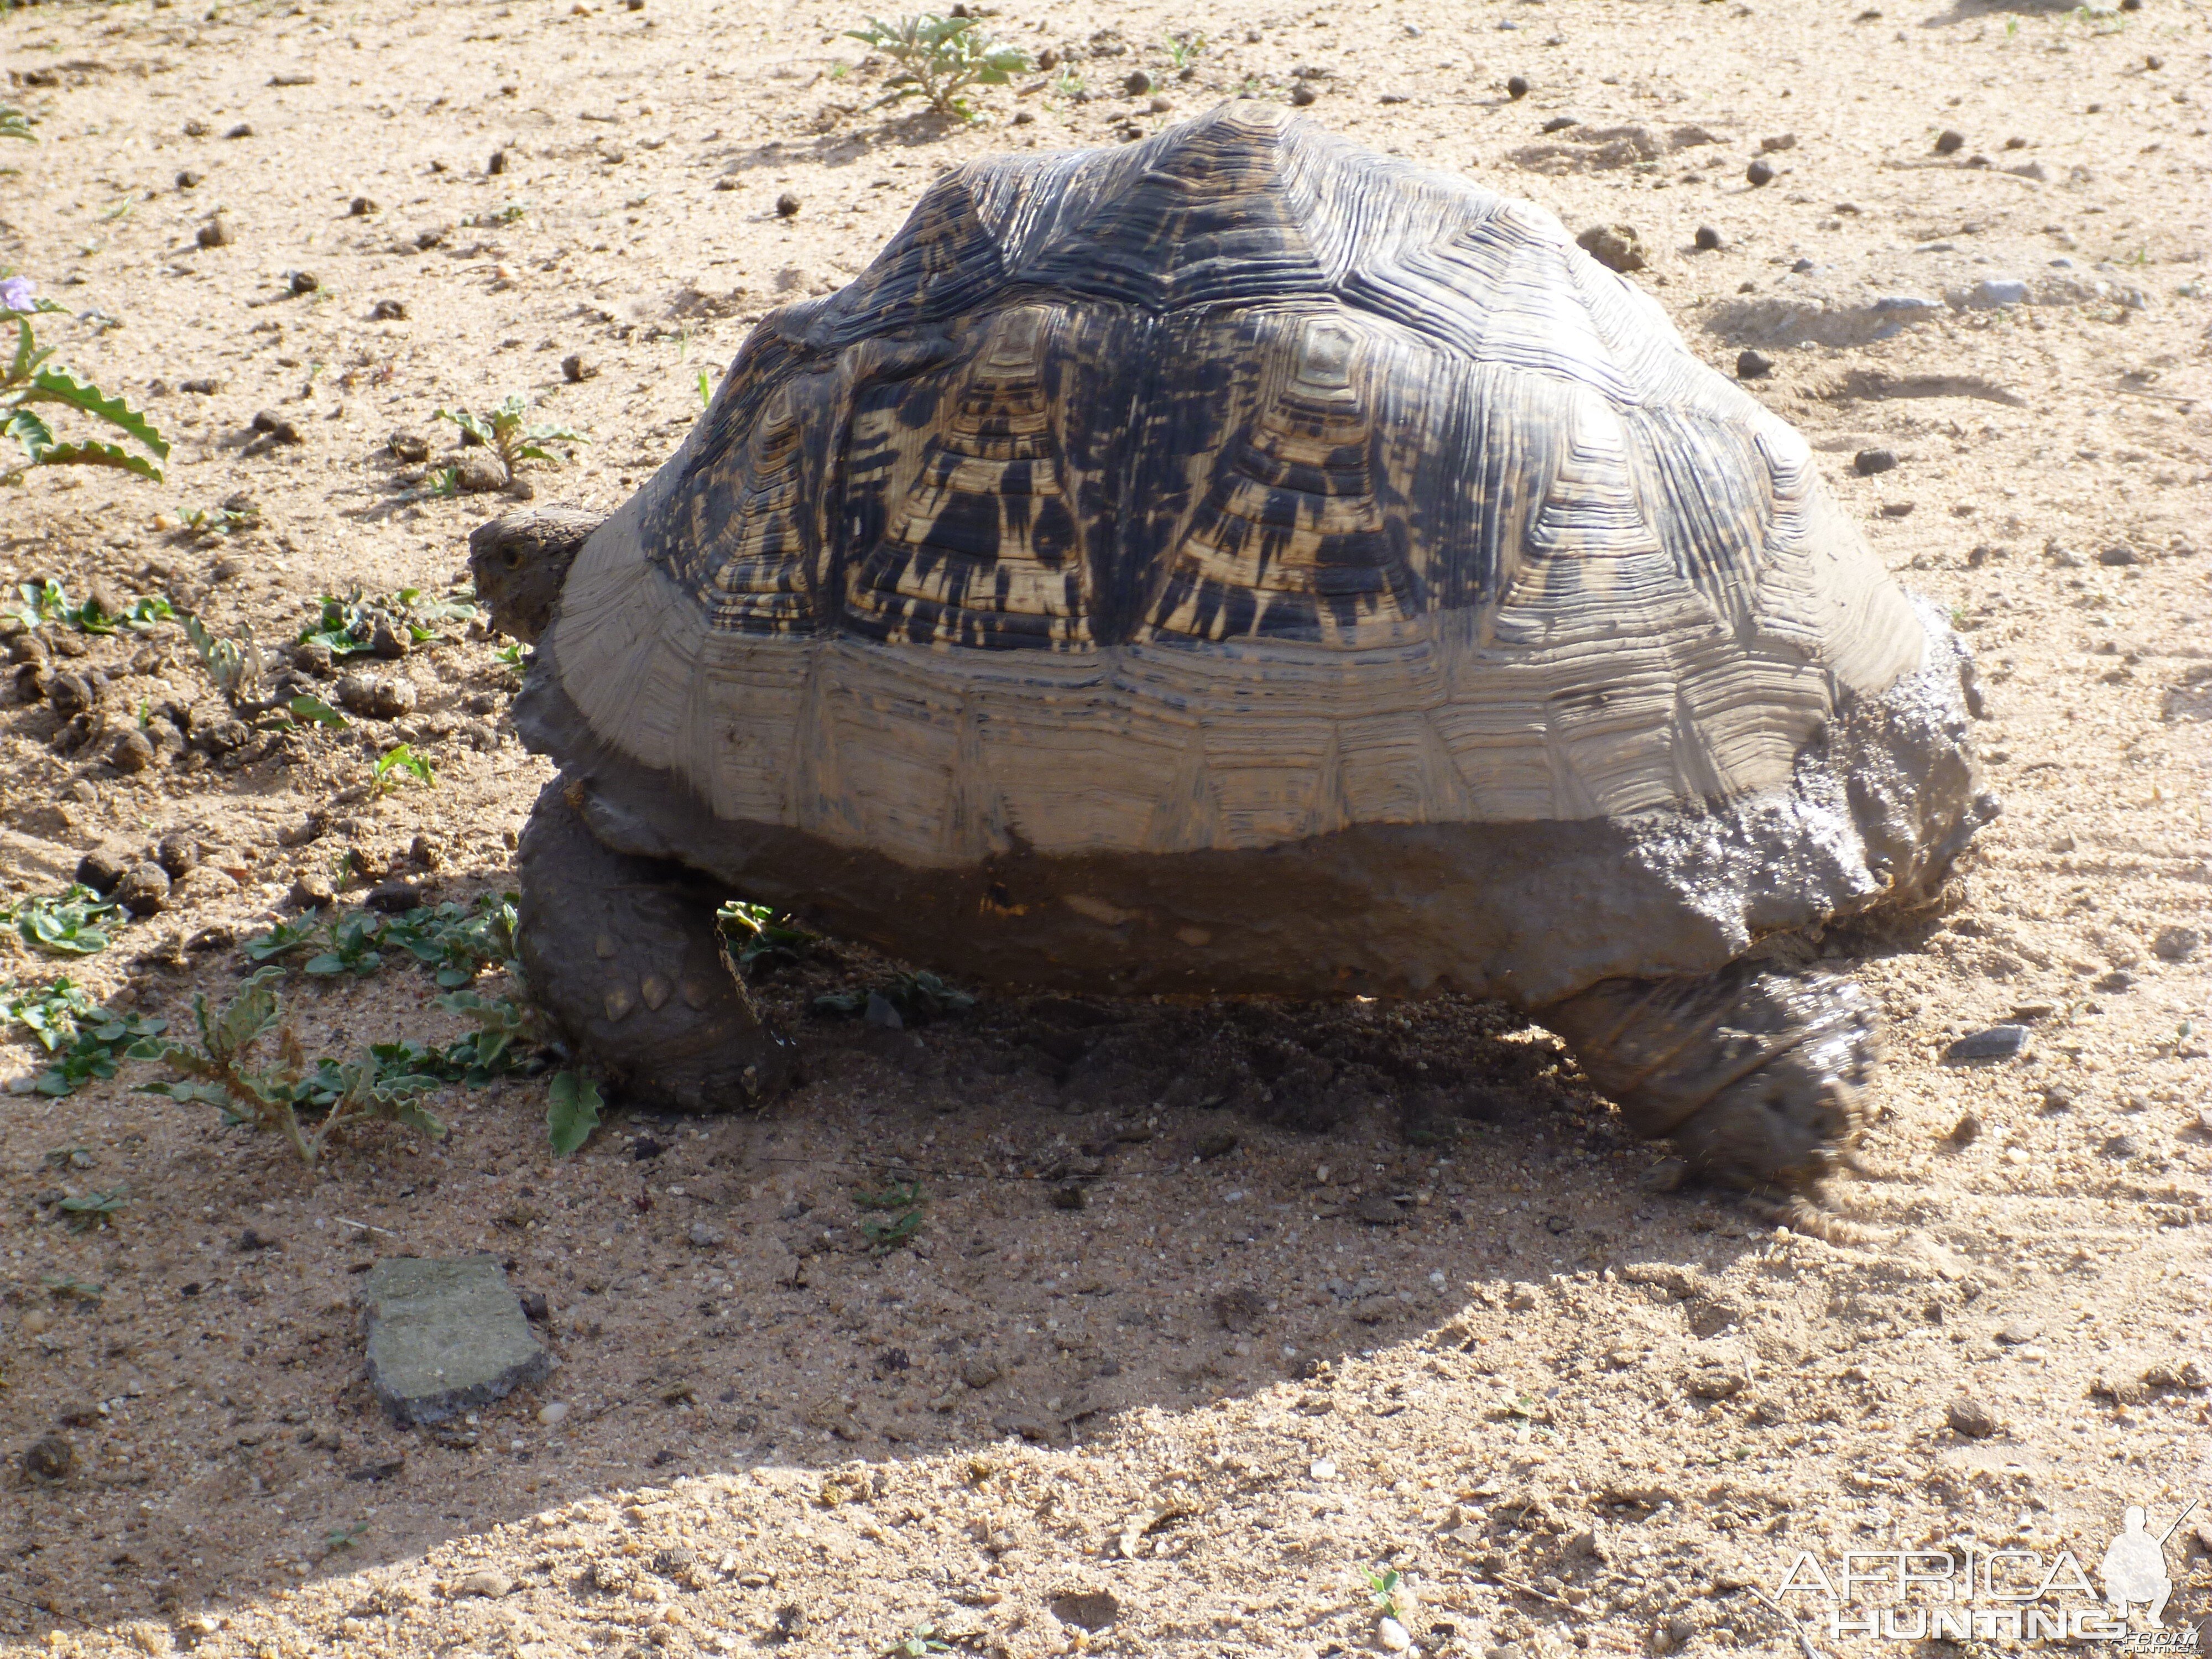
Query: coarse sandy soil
x=1211 y=1312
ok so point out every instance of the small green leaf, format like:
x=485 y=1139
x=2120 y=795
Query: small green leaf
x=99 y=454
x=306 y=710
x=571 y=1111
x=58 y=386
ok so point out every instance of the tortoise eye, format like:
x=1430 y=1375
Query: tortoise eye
x=513 y=558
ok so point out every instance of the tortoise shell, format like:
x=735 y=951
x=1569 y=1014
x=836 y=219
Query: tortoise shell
x=1239 y=492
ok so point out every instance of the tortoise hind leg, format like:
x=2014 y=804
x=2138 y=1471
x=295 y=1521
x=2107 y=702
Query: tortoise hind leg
x=1755 y=1073
x=623 y=953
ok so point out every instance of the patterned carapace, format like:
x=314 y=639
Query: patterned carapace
x=1242 y=380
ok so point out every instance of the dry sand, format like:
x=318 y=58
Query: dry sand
x=1568 y=1412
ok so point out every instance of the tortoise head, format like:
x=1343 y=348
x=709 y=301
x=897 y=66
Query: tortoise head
x=521 y=562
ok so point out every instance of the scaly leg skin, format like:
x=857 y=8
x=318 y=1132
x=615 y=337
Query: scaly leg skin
x=623 y=953
x=1755 y=1073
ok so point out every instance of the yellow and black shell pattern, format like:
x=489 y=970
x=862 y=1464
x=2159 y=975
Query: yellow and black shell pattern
x=1221 y=490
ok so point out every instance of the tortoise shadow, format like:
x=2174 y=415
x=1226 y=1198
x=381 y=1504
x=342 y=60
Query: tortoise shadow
x=725 y=1294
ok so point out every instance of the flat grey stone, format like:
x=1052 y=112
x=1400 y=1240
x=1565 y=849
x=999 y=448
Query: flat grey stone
x=446 y=1335
x=1998 y=1042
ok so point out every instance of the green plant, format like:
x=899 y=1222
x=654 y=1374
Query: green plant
x=458 y=941
x=49 y=601
x=49 y=1013
x=102 y=1039
x=344 y=1538
x=13 y=124
x=765 y=938
x=900 y=1207
x=213 y=523
x=444 y=481
x=922 y=1639
x=508 y=433
x=73 y=922
x=1069 y=86
x=396 y=760
x=1382 y=1590
x=918 y=997
x=1182 y=48
x=68 y=1158
x=351 y=626
x=92 y=1210
x=234 y=667
x=29 y=376
x=499 y=217
x=494 y=1049
x=571 y=1111
x=74 y=1289
x=939 y=58
x=706 y=390
x=217 y=1073
x=352 y=941
x=511 y=656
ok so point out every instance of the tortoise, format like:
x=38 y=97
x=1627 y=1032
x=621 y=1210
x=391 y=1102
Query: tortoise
x=1238 y=562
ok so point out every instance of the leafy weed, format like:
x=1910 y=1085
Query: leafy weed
x=74 y=922
x=509 y=434
x=939 y=58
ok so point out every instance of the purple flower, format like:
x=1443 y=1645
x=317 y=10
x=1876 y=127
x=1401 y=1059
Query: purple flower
x=15 y=294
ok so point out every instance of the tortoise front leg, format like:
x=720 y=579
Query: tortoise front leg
x=1755 y=1073
x=623 y=953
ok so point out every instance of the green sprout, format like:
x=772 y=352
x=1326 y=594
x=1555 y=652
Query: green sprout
x=356 y=625
x=508 y=432
x=939 y=58
x=922 y=1639
x=49 y=601
x=49 y=1014
x=28 y=376
x=706 y=390
x=13 y=124
x=73 y=922
x=571 y=1111
x=94 y=1210
x=398 y=760
x=1182 y=48
x=901 y=1206
x=1383 y=1591
x=765 y=938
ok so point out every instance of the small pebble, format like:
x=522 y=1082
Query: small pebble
x=577 y=367
x=1392 y=1635
x=1778 y=142
x=216 y=232
x=395 y=898
x=1322 y=1469
x=1971 y=1418
x=1949 y=143
x=49 y=1458
x=1160 y=105
x=178 y=854
x=552 y=1413
x=1304 y=94
x=1965 y=1132
x=1136 y=84
x=1615 y=246
x=407 y=447
x=1751 y=365
x=2119 y=555
x=143 y=890
x=388 y=311
x=243 y=130
x=1560 y=124
x=362 y=207
x=312 y=890
x=188 y=179
x=1516 y=86
x=2177 y=944
x=485 y=1581
x=1868 y=462
x=2017 y=1333
x=2123 y=1147
x=1997 y=1043
x=132 y=752
x=1759 y=173
x=787 y=206
x=498 y=162
x=1708 y=239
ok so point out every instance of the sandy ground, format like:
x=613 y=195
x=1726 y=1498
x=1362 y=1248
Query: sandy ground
x=1337 y=1316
